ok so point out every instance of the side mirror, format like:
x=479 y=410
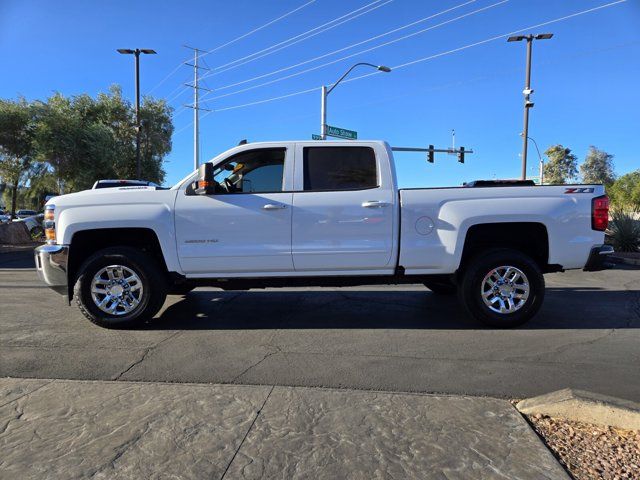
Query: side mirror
x=205 y=183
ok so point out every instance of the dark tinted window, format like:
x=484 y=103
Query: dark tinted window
x=339 y=168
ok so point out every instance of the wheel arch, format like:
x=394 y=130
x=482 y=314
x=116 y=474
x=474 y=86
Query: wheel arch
x=85 y=243
x=530 y=238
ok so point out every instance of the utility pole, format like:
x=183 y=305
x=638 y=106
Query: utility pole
x=527 y=92
x=196 y=103
x=136 y=53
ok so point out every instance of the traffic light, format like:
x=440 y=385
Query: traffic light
x=430 y=154
x=461 y=155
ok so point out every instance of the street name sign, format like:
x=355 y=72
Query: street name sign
x=341 y=133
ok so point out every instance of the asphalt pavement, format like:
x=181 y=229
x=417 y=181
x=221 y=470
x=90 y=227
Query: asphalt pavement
x=400 y=338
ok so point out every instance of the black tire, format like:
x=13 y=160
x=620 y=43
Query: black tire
x=154 y=287
x=470 y=293
x=441 y=287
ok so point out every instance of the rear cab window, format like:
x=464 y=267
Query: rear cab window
x=339 y=168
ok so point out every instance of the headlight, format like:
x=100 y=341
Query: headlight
x=49 y=224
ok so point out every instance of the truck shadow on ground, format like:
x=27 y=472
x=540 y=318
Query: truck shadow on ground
x=564 y=308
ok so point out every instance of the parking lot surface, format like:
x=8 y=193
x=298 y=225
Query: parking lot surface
x=401 y=338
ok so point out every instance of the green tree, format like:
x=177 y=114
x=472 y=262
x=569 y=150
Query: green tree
x=74 y=143
x=562 y=165
x=625 y=191
x=597 y=167
x=86 y=139
x=17 y=127
x=43 y=182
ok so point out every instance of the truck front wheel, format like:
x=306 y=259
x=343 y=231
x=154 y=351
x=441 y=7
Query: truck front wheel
x=502 y=288
x=120 y=287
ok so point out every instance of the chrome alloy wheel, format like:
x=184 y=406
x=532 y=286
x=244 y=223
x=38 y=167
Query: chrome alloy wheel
x=505 y=289
x=116 y=289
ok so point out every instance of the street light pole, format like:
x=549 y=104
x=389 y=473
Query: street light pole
x=541 y=161
x=323 y=113
x=136 y=53
x=325 y=93
x=527 y=92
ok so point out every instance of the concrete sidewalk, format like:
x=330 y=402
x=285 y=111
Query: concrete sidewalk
x=79 y=429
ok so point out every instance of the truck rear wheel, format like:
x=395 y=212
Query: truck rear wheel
x=120 y=287
x=502 y=288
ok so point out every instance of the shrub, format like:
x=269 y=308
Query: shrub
x=624 y=230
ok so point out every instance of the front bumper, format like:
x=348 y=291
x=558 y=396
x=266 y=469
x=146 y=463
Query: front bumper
x=597 y=258
x=51 y=264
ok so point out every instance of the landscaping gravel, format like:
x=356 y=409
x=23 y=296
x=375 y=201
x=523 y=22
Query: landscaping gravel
x=591 y=451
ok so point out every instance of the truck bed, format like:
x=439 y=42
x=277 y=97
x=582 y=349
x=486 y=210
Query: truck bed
x=434 y=221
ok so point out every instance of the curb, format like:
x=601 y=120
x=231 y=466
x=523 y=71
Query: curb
x=587 y=407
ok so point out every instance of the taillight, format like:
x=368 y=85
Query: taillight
x=600 y=213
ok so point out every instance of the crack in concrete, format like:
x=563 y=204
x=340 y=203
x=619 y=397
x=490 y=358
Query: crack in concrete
x=145 y=354
x=278 y=350
x=561 y=348
x=248 y=430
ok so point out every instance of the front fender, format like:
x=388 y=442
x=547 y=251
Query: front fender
x=154 y=216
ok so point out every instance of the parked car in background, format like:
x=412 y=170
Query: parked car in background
x=25 y=213
x=4 y=218
x=123 y=183
x=34 y=225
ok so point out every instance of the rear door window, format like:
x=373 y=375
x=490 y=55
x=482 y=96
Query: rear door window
x=339 y=168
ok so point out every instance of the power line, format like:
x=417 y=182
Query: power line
x=296 y=39
x=466 y=81
x=315 y=89
x=245 y=35
x=431 y=57
x=361 y=51
x=347 y=47
x=258 y=29
x=497 y=37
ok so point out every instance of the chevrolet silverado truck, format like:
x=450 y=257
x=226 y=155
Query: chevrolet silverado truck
x=282 y=214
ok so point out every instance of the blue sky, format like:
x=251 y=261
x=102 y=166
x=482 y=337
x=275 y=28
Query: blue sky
x=585 y=78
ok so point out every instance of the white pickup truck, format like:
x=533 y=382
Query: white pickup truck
x=283 y=214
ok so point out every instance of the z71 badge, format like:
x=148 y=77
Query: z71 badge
x=579 y=190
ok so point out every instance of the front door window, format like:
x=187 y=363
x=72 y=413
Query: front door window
x=254 y=171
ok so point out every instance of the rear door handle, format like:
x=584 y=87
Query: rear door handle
x=274 y=206
x=374 y=204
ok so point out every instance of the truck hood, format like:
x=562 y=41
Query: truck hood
x=130 y=195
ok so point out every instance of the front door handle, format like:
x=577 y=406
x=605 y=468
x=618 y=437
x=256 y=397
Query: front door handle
x=274 y=206
x=374 y=204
